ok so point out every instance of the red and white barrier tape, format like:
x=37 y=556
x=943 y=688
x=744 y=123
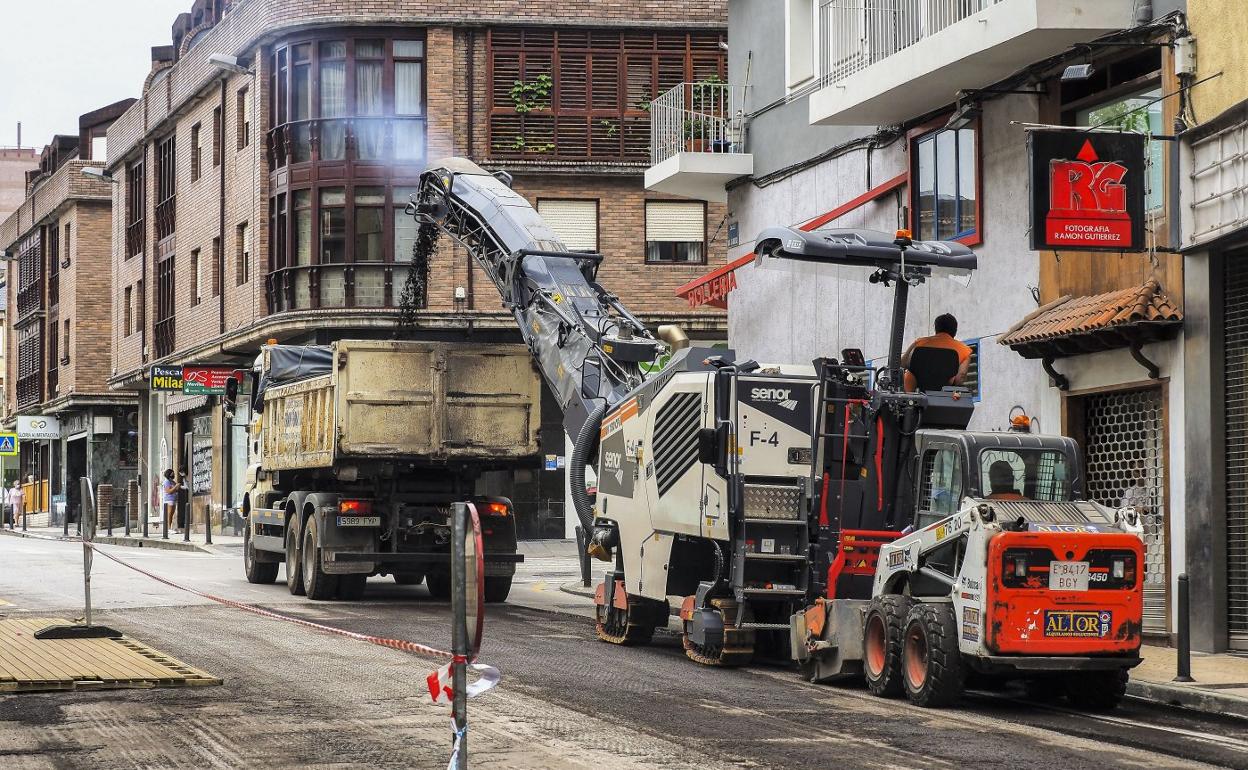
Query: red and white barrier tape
x=439 y=681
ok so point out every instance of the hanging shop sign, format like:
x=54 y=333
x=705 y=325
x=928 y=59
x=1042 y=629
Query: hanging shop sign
x=167 y=378
x=201 y=465
x=207 y=380
x=38 y=427
x=1087 y=190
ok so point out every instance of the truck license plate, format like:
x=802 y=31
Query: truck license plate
x=375 y=521
x=1068 y=576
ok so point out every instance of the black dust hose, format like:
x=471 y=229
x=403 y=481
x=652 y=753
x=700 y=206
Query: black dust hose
x=582 y=449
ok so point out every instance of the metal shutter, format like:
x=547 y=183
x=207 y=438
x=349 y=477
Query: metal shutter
x=1125 y=432
x=575 y=222
x=677 y=222
x=1235 y=304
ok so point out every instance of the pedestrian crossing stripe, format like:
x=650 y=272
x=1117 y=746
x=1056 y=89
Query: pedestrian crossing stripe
x=8 y=444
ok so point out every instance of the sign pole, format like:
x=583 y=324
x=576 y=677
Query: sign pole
x=459 y=633
x=84 y=630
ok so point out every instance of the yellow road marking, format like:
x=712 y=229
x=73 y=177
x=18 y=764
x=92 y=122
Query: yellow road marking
x=4 y=603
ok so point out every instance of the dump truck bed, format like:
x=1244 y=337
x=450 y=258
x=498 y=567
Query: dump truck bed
x=406 y=400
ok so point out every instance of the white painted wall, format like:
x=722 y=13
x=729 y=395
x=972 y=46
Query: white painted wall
x=793 y=317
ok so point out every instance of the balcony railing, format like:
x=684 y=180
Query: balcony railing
x=707 y=116
x=859 y=33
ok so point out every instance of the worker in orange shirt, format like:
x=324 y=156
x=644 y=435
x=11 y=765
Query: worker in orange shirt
x=946 y=328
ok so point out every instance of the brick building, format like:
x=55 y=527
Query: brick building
x=264 y=200
x=59 y=325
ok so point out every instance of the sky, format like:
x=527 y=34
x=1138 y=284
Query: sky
x=62 y=58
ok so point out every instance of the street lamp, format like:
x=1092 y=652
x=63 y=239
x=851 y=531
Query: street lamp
x=228 y=63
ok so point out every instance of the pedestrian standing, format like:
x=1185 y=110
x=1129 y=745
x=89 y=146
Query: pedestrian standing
x=169 y=498
x=15 y=500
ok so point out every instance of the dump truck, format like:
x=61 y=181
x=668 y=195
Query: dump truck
x=359 y=448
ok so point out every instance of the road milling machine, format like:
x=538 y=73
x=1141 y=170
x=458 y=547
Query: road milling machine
x=820 y=514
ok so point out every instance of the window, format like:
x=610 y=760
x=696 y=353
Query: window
x=242 y=254
x=578 y=94
x=65 y=246
x=940 y=490
x=944 y=165
x=52 y=248
x=1134 y=113
x=216 y=267
x=369 y=216
x=800 y=31
x=166 y=187
x=333 y=225
x=217 y=127
x=136 y=205
x=1032 y=473
x=99 y=146
x=65 y=348
x=195 y=153
x=405 y=227
x=197 y=277
x=575 y=222
x=332 y=79
x=127 y=313
x=166 y=304
x=243 y=110
x=675 y=232
x=140 y=306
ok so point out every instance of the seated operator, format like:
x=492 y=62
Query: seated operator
x=946 y=327
x=1001 y=478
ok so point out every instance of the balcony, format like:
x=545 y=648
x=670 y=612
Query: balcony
x=697 y=142
x=884 y=61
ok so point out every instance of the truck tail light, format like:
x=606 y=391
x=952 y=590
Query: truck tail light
x=497 y=509
x=1018 y=565
x=355 y=507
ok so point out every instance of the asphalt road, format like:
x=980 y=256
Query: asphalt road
x=299 y=698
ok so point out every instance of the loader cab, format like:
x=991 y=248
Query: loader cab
x=950 y=466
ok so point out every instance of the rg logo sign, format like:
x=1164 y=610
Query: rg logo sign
x=1087 y=201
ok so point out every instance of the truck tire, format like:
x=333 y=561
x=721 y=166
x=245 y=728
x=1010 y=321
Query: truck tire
x=351 y=587
x=316 y=582
x=881 y=644
x=408 y=578
x=497 y=588
x=439 y=584
x=294 y=566
x=259 y=572
x=1097 y=690
x=930 y=661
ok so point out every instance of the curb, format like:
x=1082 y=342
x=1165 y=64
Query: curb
x=576 y=589
x=1189 y=697
x=129 y=542
x=36 y=536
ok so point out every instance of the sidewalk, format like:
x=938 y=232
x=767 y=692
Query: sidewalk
x=136 y=539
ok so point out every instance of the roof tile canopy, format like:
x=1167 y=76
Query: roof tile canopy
x=1072 y=326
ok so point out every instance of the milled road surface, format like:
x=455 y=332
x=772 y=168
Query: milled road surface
x=299 y=698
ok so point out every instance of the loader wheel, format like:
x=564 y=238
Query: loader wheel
x=439 y=584
x=1097 y=690
x=294 y=567
x=408 y=578
x=881 y=644
x=259 y=572
x=931 y=664
x=497 y=588
x=316 y=582
x=351 y=587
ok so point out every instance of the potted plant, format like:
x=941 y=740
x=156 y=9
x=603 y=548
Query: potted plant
x=696 y=132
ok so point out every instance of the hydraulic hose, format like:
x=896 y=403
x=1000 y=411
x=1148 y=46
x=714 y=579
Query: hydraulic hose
x=582 y=450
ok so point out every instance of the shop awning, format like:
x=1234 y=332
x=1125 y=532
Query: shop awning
x=1073 y=326
x=178 y=404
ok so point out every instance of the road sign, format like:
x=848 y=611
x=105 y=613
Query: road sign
x=8 y=444
x=206 y=380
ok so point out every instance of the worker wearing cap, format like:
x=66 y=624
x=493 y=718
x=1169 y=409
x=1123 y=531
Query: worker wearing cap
x=946 y=327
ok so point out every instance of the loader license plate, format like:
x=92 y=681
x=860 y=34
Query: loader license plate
x=359 y=521
x=1068 y=576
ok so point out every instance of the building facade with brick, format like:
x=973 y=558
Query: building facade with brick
x=59 y=328
x=265 y=201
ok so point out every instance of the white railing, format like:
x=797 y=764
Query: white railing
x=707 y=116
x=858 y=33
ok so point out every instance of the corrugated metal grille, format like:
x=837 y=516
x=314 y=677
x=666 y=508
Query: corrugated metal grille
x=575 y=222
x=676 y=438
x=1125 y=434
x=1236 y=372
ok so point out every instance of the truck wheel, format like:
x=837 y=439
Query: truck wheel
x=881 y=644
x=930 y=662
x=294 y=570
x=439 y=584
x=316 y=582
x=261 y=572
x=351 y=587
x=1097 y=690
x=408 y=578
x=497 y=588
